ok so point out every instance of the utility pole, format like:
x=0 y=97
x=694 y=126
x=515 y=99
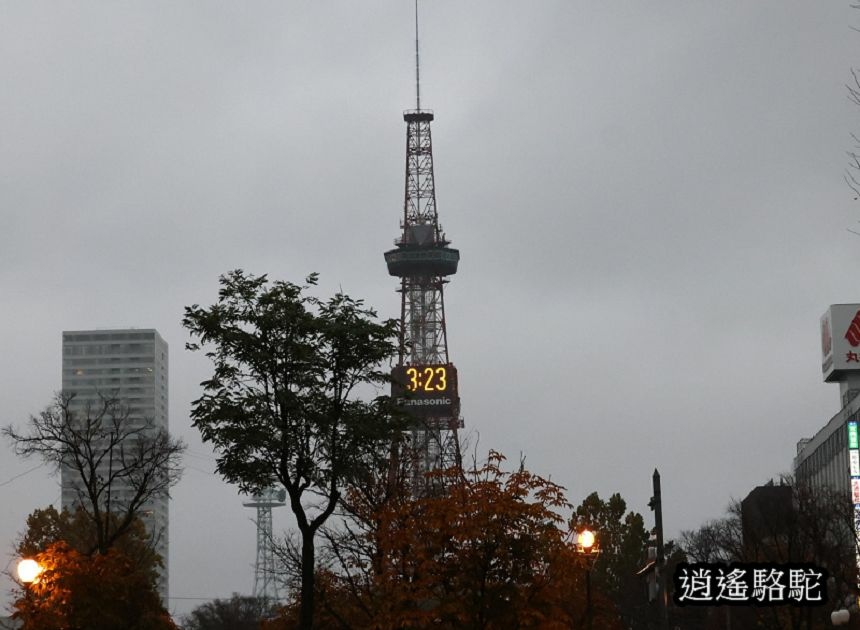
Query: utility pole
x=662 y=596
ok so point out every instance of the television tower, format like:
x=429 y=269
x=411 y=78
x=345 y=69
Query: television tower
x=265 y=583
x=424 y=382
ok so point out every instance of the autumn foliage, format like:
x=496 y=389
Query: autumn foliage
x=82 y=588
x=99 y=592
x=488 y=549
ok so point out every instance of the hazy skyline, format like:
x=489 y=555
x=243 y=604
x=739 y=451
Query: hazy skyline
x=648 y=201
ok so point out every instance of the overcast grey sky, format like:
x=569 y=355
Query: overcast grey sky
x=647 y=197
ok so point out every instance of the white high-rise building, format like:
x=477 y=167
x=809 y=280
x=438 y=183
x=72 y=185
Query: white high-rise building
x=130 y=366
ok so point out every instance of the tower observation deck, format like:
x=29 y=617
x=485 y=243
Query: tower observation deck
x=425 y=380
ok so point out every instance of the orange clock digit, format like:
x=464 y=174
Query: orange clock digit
x=413 y=379
x=442 y=379
x=428 y=379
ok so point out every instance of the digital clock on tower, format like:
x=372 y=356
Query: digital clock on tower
x=428 y=389
x=427 y=378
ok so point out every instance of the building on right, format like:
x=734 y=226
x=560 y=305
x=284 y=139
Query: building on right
x=826 y=459
x=831 y=458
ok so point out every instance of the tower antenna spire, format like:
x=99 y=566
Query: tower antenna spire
x=417 y=65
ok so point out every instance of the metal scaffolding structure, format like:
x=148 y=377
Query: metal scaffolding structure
x=425 y=380
x=423 y=260
x=265 y=578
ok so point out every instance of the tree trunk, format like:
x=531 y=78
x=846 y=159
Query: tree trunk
x=306 y=610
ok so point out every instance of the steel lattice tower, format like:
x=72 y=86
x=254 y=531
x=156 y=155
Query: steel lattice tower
x=265 y=582
x=425 y=381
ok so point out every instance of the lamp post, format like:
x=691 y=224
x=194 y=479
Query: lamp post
x=28 y=574
x=587 y=550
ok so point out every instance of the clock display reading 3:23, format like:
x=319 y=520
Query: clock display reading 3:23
x=425 y=380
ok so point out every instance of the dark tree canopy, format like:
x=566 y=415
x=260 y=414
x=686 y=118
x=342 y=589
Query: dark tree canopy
x=294 y=397
x=48 y=526
x=622 y=538
x=118 y=465
x=236 y=613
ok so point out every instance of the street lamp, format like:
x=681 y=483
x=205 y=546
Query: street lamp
x=585 y=541
x=587 y=550
x=28 y=570
x=28 y=574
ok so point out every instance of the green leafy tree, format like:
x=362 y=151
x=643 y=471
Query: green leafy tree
x=285 y=403
x=622 y=538
x=237 y=613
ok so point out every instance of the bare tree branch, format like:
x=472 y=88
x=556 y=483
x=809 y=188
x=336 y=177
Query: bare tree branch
x=116 y=463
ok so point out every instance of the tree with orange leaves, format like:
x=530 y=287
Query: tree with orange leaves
x=79 y=587
x=488 y=549
x=98 y=592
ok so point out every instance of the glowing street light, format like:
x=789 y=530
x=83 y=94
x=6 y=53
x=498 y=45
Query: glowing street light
x=28 y=570
x=585 y=540
x=587 y=549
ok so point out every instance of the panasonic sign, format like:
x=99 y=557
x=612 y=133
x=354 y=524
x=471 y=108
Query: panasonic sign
x=421 y=402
